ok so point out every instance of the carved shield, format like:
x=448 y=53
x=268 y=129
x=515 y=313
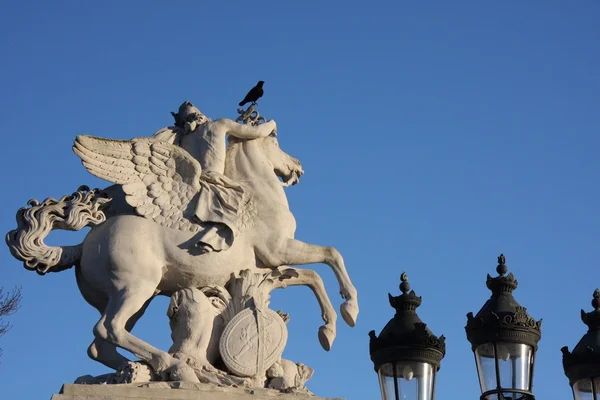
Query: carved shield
x=252 y=341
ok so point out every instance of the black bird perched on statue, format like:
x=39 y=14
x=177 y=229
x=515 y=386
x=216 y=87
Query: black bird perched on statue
x=254 y=94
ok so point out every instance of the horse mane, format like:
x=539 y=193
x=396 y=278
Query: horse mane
x=233 y=148
x=232 y=140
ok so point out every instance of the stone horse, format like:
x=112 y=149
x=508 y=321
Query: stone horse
x=127 y=260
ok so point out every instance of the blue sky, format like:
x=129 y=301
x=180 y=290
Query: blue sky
x=434 y=137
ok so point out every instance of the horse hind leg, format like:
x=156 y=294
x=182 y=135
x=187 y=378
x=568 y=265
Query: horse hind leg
x=296 y=252
x=99 y=350
x=307 y=277
x=105 y=352
x=122 y=305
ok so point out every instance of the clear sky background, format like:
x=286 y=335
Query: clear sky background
x=434 y=137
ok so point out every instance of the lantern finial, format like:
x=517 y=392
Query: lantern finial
x=404 y=286
x=596 y=301
x=501 y=268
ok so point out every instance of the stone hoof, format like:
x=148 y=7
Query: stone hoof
x=133 y=372
x=162 y=365
x=182 y=372
x=209 y=368
x=349 y=311
x=326 y=337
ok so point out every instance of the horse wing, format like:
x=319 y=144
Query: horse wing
x=159 y=179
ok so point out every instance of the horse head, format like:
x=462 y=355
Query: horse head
x=261 y=159
x=285 y=166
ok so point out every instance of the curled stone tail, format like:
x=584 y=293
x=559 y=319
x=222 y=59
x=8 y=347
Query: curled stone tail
x=34 y=223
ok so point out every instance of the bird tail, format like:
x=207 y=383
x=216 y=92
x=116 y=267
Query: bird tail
x=242 y=103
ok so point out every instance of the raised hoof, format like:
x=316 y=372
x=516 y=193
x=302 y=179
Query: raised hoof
x=326 y=337
x=183 y=372
x=349 y=312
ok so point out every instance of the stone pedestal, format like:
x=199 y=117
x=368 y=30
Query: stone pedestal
x=172 y=391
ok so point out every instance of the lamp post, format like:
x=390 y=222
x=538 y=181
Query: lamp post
x=582 y=366
x=504 y=340
x=406 y=354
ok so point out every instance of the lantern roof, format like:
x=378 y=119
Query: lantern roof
x=406 y=337
x=584 y=361
x=502 y=318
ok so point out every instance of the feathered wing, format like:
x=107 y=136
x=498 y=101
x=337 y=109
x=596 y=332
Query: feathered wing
x=159 y=179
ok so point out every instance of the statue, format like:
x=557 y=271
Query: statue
x=205 y=223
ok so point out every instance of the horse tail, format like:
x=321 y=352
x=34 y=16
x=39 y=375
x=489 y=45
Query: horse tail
x=34 y=223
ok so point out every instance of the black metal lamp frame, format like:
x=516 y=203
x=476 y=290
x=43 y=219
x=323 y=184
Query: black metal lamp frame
x=584 y=361
x=406 y=338
x=502 y=319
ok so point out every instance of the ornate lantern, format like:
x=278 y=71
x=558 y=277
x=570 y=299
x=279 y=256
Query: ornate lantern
x=582 y=366
x=504 y=340
x=406 y=354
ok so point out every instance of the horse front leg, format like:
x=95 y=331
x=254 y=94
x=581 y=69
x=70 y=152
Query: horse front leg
x=307 y=277
x=295 y=252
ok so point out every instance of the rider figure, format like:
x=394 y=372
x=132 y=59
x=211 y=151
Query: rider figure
x=221 y=198
x=209 y=145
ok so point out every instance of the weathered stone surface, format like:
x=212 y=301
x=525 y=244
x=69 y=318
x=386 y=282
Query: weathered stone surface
x=196 y=212
x=172 y=391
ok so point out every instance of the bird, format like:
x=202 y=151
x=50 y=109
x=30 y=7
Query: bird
x=254 y=94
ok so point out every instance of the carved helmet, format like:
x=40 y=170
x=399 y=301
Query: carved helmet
x=188 y=113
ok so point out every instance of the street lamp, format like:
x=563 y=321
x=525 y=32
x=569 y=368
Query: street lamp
x=406 y=354
x=504 y=340
x=582 y=366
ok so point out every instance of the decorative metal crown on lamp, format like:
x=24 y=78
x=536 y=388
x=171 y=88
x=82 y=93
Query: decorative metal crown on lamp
x=406 y=355
x=504 y=339
x=582 y=365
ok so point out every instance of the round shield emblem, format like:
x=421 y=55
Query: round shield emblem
x=252 y=341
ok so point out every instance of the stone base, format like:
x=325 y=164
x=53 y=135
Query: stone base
x=172 y=391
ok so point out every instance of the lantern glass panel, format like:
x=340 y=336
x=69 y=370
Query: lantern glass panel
x=407 y=381
x=486 y=367
x=515 y=362
x=583 y=390
x=386 y=382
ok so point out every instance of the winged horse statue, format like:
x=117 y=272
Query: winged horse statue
x=129 y=258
